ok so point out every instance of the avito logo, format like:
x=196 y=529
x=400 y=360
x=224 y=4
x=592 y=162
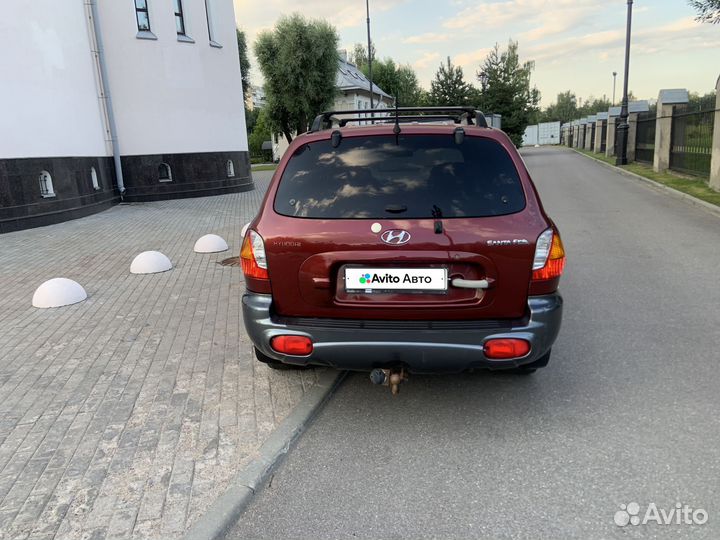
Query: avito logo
x=367 y=279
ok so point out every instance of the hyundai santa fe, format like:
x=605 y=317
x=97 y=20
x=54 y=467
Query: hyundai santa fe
x=414 y=242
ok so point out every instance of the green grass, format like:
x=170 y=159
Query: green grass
x=697 y=187
x=264 y=167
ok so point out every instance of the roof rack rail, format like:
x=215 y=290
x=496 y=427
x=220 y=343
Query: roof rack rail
x=457 y=114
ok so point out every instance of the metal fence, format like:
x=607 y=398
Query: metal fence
x=592 y=136
x=645 y=138
x=603 y=136
x=692 y=135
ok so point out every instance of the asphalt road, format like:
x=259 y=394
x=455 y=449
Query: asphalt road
x=627 y=410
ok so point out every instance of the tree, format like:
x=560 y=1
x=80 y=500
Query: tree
x=244 y=63
x=564 y=109
x=400 y=81
x=251 y=116
x=260 y=134
x=592 y=105
x=298 y=60
x=702 y=103
x=449 y=86
x=506 y=90
x=708 y=10
x=359 y=56
x=408 y=91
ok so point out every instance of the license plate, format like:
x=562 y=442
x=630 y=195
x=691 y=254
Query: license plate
x=396 y=279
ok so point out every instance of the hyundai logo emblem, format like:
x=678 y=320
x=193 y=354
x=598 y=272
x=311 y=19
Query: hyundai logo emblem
x=395 y=237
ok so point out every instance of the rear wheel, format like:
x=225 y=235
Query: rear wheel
x=276 y=364
x=530 y=368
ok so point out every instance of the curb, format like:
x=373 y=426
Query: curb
x=662 y=187
x=226 y=510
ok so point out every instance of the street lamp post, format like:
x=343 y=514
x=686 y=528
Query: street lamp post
x=614 y=81
x=623 y=128
x=367 y=6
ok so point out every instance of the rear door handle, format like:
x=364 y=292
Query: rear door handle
x=470 y=283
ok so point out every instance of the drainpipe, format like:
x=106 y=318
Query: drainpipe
x=105 y=92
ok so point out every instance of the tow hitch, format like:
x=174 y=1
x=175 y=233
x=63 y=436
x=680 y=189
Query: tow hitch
x=389 y=377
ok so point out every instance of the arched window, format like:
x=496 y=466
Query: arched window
x=46 y=185
x=165 y=173
x=230 y=168
x=94 y=178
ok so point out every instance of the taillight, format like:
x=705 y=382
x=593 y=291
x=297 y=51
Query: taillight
x=252 y=256
x=294 y=345
x=549 y=261
x=506 y=348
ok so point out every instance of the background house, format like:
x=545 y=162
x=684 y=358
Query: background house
x=353 y=93
x=171 y=69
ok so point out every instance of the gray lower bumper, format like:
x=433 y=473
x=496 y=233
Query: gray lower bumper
x=421 y=351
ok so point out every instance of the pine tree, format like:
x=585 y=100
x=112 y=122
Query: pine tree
x=708 y=10
x=506 y=90
x=449 y=86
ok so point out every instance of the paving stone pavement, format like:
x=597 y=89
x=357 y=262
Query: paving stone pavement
x=126 y=415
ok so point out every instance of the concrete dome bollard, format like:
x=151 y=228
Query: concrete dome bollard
x=210 y=243
x=150 y=262
x=58 y=292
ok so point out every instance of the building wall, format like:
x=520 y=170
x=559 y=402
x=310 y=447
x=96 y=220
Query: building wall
x=48 y=96
x=50 y=117
x=171 y=96
x=176 y=102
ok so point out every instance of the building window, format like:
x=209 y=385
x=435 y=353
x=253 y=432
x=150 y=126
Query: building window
x=46 y=185
x=230 y=168
x=142 y=15
x=179 y=18
x=164 y=172
x=94 y=178
x=211 y=31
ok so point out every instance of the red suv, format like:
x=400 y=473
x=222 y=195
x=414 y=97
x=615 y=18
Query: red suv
x=414 y=242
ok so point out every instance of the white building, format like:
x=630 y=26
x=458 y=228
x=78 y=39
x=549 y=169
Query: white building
x=353 y=93
x=257 y=97
x=171 y=71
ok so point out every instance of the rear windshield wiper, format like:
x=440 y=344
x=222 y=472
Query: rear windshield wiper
x=437 y=214
x=396 y=208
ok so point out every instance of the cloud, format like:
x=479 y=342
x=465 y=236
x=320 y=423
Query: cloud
x=430 y=37
x=342 y=15
x=470 y=61
x=426 y=60
x=539 y=12
x=679 y=36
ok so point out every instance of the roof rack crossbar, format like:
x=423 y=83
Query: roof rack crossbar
x=407 y=118
x=324 y=118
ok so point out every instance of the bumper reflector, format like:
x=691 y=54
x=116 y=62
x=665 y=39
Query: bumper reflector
x=506 y=348
x=292 y=345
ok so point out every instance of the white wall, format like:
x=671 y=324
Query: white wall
x=548 y=133
x=530 y=137
x=48 y=96
x=173 y=97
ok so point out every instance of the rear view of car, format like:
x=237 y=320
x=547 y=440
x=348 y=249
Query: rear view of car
x=403 y=245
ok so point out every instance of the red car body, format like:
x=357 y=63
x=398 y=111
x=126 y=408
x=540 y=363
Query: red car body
x=302 y=291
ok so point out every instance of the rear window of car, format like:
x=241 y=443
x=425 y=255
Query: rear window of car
x=417 y=176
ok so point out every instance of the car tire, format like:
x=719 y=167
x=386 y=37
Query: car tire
x=532 y=367
x=276 y=364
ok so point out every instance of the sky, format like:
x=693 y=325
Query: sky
x=575 y=44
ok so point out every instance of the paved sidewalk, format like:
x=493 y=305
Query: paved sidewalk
x=126 y=415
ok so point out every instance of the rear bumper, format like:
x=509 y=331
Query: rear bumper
x=435 y=348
